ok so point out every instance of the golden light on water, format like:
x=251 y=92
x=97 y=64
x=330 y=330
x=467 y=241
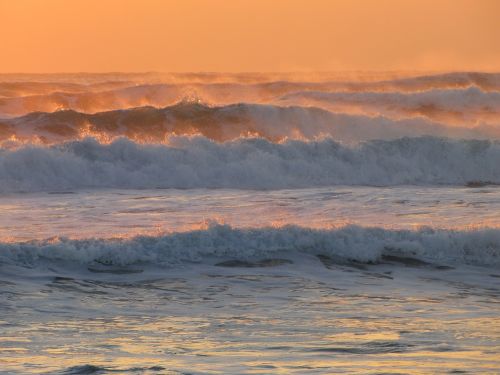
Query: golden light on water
x=285 y=186
x=180 y=342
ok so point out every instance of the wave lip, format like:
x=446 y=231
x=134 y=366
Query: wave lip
x=352 y=243
x=228 y=122
x=196 y=162
x=455 y=106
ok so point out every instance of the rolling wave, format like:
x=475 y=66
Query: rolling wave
x=16 y=89
x=111 y=92
x=342 y=245
x=223 y=123
x=197 y=162
x=457 y=106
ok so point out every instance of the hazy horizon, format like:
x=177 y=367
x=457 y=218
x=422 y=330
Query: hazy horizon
x=94 y=36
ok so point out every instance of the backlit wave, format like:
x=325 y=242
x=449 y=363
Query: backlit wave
x=109 y=92
x=222 y=123
x=463 y=107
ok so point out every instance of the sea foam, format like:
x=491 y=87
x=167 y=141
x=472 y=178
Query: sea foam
x=351 y=243
x=196 y=162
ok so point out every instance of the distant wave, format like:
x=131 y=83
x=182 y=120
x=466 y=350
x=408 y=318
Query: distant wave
x=196 y=162
x=128 y=91
x=457 y=106
x=222 y=123
x=351 y=243
x=91 y=100
x=23 y=88
x=485 y=81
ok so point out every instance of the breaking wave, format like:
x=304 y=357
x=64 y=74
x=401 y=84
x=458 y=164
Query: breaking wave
x=350 y=243
x=222 y=123
x=93 y=94
x=456 y=106
x=251 y=163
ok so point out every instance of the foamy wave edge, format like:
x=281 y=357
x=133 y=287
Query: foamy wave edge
x=196 y=162
x=353 y=243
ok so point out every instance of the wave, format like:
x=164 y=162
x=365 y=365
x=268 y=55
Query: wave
x=91 y=100
x=17 y=89
x=350 y=243
x=222 y=123
x=254 y=163
x=456 y=106
x=484 y=81
x=118 y=92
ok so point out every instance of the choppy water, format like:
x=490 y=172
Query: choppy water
x=249 y=224
x=111 y=213
x=295 y=318
x=192 y=298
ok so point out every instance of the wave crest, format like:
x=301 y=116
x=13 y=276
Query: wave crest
x=452 y=106
x=196 y=162
x=149 y=124
x=480 y=247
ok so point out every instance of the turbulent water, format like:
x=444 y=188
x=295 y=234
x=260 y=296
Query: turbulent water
x=250 y=223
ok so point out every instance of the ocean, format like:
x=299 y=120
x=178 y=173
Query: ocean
x=254 y=223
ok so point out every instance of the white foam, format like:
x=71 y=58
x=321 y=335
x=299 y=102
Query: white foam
x=196 y=162
x=480 y=247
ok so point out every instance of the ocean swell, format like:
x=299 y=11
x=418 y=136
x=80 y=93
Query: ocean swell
x=223 y=123
x=455 y=106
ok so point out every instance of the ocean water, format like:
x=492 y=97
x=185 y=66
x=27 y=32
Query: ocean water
x=250 y=223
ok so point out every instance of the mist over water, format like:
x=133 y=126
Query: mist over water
x=249 y=223
x=150 y=107
x=258 y=131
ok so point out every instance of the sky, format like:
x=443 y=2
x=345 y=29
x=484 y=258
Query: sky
x=47 y=36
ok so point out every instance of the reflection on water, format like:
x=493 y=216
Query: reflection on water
x=108 y=213
x=286 y=319
x=303 y=314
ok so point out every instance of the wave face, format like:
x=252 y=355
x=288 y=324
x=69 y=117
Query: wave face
x=465 y=99
x=454 y=106
x=196 y=162
x=365 y=96
x=351 y=243
x=223 y=123
x=148 y=108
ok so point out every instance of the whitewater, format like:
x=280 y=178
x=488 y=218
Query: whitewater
x=210 y=223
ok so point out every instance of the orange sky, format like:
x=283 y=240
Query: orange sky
x=253 y=35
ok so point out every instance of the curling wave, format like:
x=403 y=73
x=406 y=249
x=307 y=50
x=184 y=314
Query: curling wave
x=222 y=123
x=251 y=163
x=351 y=243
